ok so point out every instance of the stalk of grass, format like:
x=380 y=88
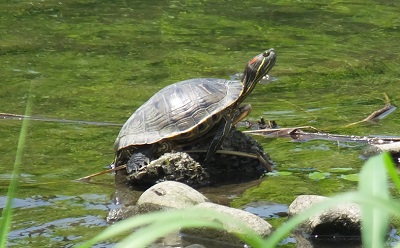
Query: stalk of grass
x=156 y=225
x=373 y=183
x=392 y=172
x=373 y=197
x=6 y=217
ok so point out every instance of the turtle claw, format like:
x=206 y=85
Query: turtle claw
x=137 y=161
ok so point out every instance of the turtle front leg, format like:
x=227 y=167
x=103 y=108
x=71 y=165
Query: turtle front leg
x=137 y=161
x=140 y=158
x=223 y=129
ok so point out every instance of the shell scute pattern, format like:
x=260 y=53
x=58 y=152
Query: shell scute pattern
x=178 y=109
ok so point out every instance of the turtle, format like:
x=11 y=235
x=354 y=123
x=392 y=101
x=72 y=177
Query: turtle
x=186 y=111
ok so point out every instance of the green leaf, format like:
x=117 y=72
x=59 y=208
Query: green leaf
x=350 y=177
x=279 y=173
x=284 y=173
x=340 y=169
x=151 y=227
x=318 y=175
x=373 y=183
x=386 y=205
x=284 y=230
x=147 y=235
x=392 y=171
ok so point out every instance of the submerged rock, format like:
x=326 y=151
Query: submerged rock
x=392 y=148
x=344 y=219
x=226 y=238
x=257 y=224
x=190 y=168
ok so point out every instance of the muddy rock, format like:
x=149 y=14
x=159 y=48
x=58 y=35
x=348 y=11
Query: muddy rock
x=178 y=166
x=189 y=167
x=343 y=220
x=122 y=213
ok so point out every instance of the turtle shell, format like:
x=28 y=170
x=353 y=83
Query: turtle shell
x=181 y=111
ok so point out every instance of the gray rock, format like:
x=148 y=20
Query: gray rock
x=170 y=195
x=257 y=224
x=344 y=219
x=391 y=147
x=174 y=195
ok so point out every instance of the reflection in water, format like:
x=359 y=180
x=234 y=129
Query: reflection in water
x=89 y=63
x=48 y=229
x=54 y=204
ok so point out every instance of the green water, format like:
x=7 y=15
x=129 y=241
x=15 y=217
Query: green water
x=100 y=60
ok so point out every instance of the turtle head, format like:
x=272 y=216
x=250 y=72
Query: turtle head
x=256 y=69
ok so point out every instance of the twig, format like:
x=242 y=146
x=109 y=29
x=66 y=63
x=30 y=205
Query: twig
x=38 y=118
x=87 y=178
x=300 y=108
x=279 y=132
x=378 y=114
x=237 y=153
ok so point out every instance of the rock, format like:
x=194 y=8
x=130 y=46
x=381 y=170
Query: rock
x=174 y=195
x=190 y=168
x=229 y=168
x=170 y=195
x=162 y=196
x=257 y=224
x=344 y=219
x=392 y=148
x=178 y=166
x=122 y=213
x=225 y=238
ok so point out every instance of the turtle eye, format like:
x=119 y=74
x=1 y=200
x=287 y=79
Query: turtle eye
x=266 y=53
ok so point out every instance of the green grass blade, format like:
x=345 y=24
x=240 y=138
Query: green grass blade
x=161 y=223
x=284 y=230
x=124 y=226
x=392 y=171
x=143 y=237
x=6 y=217
x=393 y=207
x=373 y=183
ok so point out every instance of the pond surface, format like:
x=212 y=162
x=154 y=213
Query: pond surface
x=97 y=61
